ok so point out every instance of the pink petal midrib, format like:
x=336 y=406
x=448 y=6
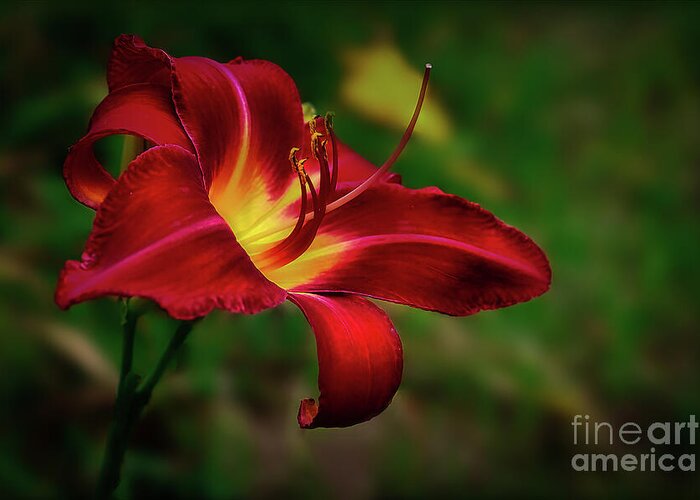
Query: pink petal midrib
x=379 y=239
x=203 y=225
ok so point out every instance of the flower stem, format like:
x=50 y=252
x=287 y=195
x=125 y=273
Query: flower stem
x=129 y=319
x=132 y=398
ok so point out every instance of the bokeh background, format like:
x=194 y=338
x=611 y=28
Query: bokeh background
x=577 y=123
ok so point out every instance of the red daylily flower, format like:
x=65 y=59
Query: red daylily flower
x=214 y=216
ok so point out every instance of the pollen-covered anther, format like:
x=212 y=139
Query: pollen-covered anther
x=293 y=157
x=297 y=165
x=320 y=152
x=328 y=121
x=317 y=144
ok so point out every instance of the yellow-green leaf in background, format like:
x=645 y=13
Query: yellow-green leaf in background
x=382 y=86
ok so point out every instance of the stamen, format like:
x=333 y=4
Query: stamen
x=302 y=235
x=334 y=145
x=394 y=156
x=291 y=248
x=298 y=167
x=249 y=234
x=318 y=149
x=328 y=187
x=317 y=208
x=302 y=211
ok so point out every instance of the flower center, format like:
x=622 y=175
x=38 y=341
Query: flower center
x=315 y=203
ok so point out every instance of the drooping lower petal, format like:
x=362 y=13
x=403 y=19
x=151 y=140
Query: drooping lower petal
x=423 y=248
x=156 y=235
x=144 y=110
x=360 y=360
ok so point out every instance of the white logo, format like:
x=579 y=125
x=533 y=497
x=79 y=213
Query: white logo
x=591 y=433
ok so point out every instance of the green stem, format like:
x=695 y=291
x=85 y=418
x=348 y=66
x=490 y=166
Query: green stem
x=132 y=398
x=129 y=319
x=174 y=345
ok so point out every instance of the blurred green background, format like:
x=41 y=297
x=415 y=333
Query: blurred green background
x=577 y=123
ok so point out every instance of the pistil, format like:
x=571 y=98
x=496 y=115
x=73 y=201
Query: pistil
x=374 y=178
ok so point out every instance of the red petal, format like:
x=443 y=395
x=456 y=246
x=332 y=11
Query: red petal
x=359 y=356
x=243 y=118
x=156 y=235
x=144 y=110
x=423 y=248
x=132 y=61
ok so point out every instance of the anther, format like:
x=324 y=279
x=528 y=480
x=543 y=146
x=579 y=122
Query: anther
x=293 y=159
x=328 y=120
